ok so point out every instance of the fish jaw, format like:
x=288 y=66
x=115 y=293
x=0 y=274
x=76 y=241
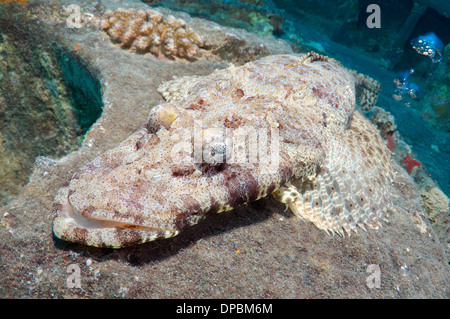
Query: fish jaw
x=70 y=226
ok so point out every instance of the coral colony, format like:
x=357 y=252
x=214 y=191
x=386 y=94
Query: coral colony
x=149 y=31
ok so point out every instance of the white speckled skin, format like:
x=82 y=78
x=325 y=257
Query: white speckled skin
x=154 y=183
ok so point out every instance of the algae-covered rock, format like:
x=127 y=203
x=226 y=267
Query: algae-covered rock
x=36 y=114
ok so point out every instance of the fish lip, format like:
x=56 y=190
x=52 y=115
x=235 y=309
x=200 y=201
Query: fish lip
x=71 y=215
x=72 y=227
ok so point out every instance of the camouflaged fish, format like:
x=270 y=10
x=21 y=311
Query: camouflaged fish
x=283 y=125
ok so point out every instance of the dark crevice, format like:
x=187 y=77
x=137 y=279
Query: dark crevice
x=84 y=89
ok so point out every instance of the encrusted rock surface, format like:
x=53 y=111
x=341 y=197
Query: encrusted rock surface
x=253 y=251
x=36 y=116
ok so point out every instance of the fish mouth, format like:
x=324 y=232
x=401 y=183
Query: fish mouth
x=70 y=226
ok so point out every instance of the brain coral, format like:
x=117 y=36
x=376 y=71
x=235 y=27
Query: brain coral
x=149 y=31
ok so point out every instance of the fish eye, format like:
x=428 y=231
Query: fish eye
x=215 y=153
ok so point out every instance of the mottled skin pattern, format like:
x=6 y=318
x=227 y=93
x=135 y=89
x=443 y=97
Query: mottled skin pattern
x=323 y=159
